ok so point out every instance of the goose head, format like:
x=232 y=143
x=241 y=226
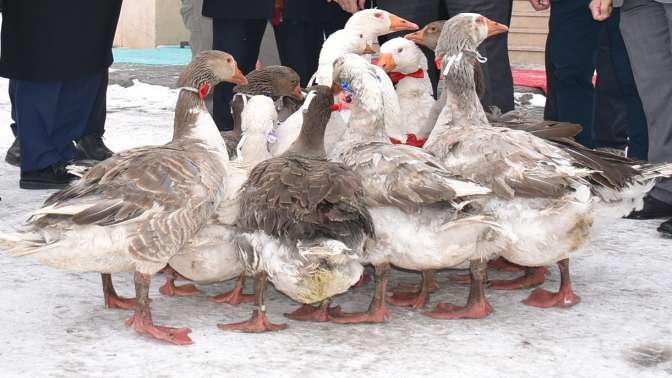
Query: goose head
x=401 y=55
x=208 y=69
x=429 y=35
x=276 y=81
x=350 y=73
x=466 y=31
x=377 y=22
x=346 y=41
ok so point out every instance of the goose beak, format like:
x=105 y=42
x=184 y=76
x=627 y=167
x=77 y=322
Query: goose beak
x=495 y=28
x=297 y=93
x=418 y=36
x=369 y=49
x=386 y=62
x=398 y=24
x=336 y=88
x=238 y=78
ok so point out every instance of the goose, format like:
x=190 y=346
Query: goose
x=136 y=210
x=304 y=219
x=406 y=65
x=280 y=82
x=377 y=22
x=422 y=214
x=549 y=197
x=338 y=43
x=211 y=255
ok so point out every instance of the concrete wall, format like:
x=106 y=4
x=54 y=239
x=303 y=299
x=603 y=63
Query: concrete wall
x=150 y=23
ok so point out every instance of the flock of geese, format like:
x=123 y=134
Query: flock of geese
x=363 y=168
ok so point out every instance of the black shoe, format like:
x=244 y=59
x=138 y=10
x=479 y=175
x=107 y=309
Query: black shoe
x=91 y=147
x=54 y=176
x=13 y=155
x=652 y=209
x=665 y=228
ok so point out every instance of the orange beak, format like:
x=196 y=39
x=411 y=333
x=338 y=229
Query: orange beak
x=495 y=28
x=398 y=24
x=417 y=37
x=238 y=78
x=386 y=62
x=296 y=93
x=336 y=88
x=369 y=49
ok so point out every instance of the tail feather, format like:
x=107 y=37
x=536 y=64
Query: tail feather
x=656 y=171
x=18 y=244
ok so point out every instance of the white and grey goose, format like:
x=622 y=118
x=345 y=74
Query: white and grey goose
x=420 y=211
x=549 y=196
x=136 y=210
x=304 y=219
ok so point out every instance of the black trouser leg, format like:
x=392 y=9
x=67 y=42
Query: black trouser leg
x=240 y=38
x=299 y=45
x=96 y=123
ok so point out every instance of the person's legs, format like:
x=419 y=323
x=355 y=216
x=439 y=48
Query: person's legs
x=199 y=26
x=646 y=26
x=299 y=45
x=611 y=115
x=573 y=47
x=91 y=145
x=13 y=155
x=638 y=136
x=498 y=76
x=551 y=106
x=240 y=38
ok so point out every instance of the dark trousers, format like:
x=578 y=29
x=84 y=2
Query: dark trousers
x=298 y=43
x=96 y=123
x=572 y=50
x=619 y=115
x=50 y=116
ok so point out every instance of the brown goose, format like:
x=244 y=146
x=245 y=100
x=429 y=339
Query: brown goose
x=137 y=209
x=305 y=221
x=280 y=82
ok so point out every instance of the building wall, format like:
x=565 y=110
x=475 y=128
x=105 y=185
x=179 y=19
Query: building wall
x=150 y=23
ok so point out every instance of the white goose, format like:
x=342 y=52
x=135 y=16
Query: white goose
x=211 y=256
x=421 y=213
x=548 y=195
x=406 y=65
x=137 y=210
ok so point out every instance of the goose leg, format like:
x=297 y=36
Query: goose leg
x=477 y=305
x=321 y=313
x=258 y=322
x=170 y=289
x=407 y=290
x=378 y=312
x=112 y=300
x=565 y=297
x=235 y=296
x=504 y=265
x=532 y=277
x=419 y=299
x=142 y=318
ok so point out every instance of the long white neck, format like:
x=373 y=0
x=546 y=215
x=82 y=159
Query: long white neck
x=253 y=148
x=462 y=103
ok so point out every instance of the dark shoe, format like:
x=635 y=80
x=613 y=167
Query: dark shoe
x=91 y=147
x=652 y=209
x=54 y=176
x=13 y=155
x=665 y=228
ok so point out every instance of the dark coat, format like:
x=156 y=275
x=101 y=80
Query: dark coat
x=47 y=40
x=294 y=10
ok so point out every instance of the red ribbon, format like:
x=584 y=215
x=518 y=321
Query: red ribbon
x=411 y=140
x=397 y=76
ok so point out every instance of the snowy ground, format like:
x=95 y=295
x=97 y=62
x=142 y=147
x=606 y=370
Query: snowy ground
x=53 y=323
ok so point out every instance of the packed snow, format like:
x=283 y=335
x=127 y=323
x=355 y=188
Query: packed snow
x=53 y=323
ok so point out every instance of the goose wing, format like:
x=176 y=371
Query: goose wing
x=406 y=177
x=294 y=198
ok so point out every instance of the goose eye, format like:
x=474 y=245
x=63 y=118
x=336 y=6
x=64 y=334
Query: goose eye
x=432 y=29
x=361 y=36
x=378 y=15
x=400 y=50
x=228 y=60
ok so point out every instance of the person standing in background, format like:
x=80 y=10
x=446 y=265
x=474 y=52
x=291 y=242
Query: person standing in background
x=646 y=26
x=239 y=27
x=199 y=26
x=58 y=61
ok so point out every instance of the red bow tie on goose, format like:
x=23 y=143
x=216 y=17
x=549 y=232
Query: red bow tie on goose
x=411 y=140
x=397 y=76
